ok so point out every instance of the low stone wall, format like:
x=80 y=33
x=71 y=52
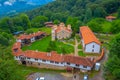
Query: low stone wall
x=100 y=57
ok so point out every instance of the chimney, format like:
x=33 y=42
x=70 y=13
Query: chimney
x=36 y=51
x=48 y=54
x=69 y=27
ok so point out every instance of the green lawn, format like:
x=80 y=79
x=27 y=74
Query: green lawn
x=43 y=44
x=40 y=45
x=80 y=53
x=44 y=29
x=79 y=46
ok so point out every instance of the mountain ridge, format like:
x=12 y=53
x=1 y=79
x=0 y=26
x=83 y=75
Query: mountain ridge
x=8 y=7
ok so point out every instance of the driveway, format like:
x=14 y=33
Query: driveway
x=48 y=76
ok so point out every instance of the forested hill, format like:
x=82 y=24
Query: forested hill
x=83 y=9
x=12 y=7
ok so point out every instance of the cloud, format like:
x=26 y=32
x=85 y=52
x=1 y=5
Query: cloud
x=12 y=1
x=30 y=3
x=7 y=3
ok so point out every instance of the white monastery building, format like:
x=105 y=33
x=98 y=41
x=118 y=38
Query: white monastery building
x=61 y=31
x=89 y=41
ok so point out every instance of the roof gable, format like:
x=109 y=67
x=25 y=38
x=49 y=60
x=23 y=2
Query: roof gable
x=88 y=36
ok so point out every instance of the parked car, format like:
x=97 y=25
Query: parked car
x=85 y=77
x=40 y=78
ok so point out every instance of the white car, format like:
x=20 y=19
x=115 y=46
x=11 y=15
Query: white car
x=85 y=77
x=41 y=78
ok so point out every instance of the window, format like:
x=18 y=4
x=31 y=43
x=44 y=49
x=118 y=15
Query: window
x=51 y=61
x=28 y=58
x=92 y=50
x=43 y=60
x=84 y=66
x=77 y=65
x=68 y=63
x=93 y=46
x=31 y=62
x=56 y=62
x=16 y=57
x=36 y=59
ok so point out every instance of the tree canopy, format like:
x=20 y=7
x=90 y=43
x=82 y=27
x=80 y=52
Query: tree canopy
x=112 y=66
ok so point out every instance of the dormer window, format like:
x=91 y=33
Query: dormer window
x=15 y=50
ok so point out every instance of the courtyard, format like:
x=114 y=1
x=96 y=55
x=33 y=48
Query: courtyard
x=46 y=45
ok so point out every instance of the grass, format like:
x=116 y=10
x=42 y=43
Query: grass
x=40 y=45
x=77 y=37
x=44 y=29
x=68 y=48
x=79 y=46
x=80 y=53
x=43 y=44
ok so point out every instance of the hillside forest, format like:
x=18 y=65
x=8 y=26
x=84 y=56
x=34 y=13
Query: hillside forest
x=78 y=13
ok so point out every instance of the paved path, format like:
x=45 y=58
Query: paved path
x=48 y=76
x=76 y=47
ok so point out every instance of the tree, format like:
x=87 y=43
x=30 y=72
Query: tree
x=118 y=13
x=96 y=24
x=56 y=22
x=112 y=66
x=39 y=21
x=29 y=31
x=8 y=66
x=74 y=22
x=3 y=40
x=26 y=24
x=115 y=26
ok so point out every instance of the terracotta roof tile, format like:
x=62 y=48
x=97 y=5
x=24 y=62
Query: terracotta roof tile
x=53 y=56
x=78 y=60
x=24 y=36
x=110 y=17
x=88 y=36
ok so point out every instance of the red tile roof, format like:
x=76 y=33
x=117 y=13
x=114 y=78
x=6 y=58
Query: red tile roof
x=61 y=27
x=78 y=60
x=88 y=36
x=110 y=17
x=17 y=45
x=53 y=56
x=24 y=36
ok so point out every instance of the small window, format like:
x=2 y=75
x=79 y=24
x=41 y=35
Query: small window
x=28 y=58
x=92 y=50
x=43 y=60
x=68 y=63
x=51 y=61
x=56 y=62
x=77 y=65
x=36 y=59
x=84 y=66
x=93 y=46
